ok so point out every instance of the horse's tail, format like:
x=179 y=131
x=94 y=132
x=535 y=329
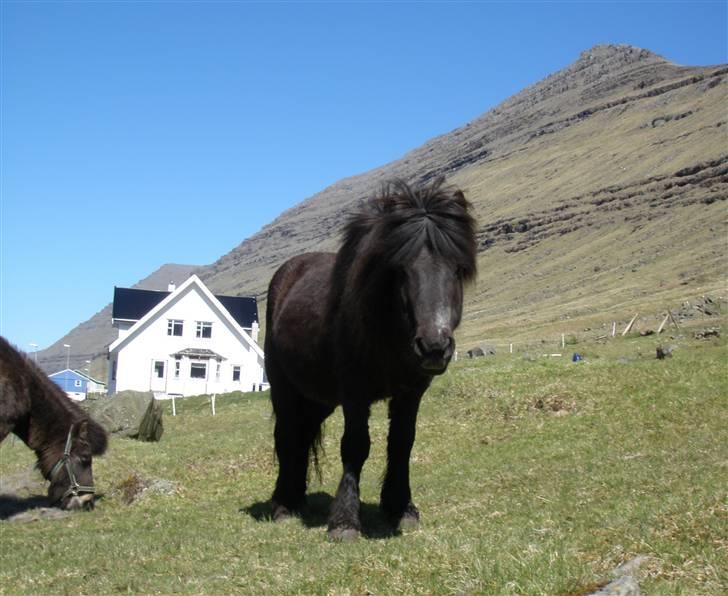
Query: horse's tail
x=316 y=452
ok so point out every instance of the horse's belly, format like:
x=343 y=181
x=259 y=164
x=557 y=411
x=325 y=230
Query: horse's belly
x=296 y=350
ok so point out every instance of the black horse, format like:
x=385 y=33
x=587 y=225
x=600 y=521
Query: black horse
x=62 y=435
x=373 y=321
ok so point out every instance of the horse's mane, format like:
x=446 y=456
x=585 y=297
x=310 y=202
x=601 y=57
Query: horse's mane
x=390 y=230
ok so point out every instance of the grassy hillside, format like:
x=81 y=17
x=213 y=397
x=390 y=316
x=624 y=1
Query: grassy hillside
x=597 y=221
x=532 y=474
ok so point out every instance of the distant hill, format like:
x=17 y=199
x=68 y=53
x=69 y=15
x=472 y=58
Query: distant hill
x=90 y=339
x=599 y=191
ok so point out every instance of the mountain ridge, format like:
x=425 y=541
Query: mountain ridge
x=589 y=186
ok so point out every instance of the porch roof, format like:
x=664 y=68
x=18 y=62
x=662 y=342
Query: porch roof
x=200 y=353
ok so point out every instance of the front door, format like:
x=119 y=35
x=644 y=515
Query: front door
x=159 y=376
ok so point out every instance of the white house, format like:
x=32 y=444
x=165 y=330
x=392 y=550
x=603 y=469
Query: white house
x=184 y=342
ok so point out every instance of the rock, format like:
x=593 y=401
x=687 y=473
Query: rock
x=124 y=414
x=151 y=428
x=664 y=352
x=626 y=583
x=706 y=333
x=481 y=351
x=624 y=586
x=135 y=487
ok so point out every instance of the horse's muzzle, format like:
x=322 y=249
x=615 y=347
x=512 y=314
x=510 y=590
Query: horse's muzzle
x=80 y=502
x=434 y=355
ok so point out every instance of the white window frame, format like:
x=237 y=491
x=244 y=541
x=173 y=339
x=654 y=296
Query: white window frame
x=198 y=365
x=201 y=327
x=159 y=371
x=172 y=325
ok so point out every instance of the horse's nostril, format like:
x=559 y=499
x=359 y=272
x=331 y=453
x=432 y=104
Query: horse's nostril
x=439 y=346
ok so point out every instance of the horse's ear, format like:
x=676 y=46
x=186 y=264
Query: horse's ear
x=92 y=433
x=82 y=431
x=459 y=196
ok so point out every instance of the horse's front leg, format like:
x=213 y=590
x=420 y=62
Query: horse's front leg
x=396 y=498
x=344 y=523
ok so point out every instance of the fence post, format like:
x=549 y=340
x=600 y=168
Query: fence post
x=174 y=407
x=214 y=395
x=629 y=325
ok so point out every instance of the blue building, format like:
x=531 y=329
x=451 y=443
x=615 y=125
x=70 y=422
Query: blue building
x=72 y=382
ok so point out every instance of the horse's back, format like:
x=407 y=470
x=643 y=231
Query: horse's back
x=297 y=332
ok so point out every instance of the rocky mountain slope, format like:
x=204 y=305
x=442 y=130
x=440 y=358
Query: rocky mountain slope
x=599 y=191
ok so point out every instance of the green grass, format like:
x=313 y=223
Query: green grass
x=533 y=476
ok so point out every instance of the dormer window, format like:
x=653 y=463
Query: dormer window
x=204 y=329
x=174 y=327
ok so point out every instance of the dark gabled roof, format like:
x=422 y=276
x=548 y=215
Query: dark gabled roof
x=244 y=309
x=131 y=304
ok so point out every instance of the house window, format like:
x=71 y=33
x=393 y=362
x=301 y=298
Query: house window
x=217 y=370
x=159 y=369
x=236 y=373
x=177 y=367
x=198 y=370
x=174 y=327
x=204 y=329
x=77 y=383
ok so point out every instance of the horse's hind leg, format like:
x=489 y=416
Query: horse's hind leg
x=298 y=424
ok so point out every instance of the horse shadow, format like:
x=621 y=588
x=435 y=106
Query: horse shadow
x=12 y=505
x=315 y=514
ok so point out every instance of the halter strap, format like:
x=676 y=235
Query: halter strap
x=74 y=488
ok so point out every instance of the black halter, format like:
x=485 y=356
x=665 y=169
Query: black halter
x=75 y=488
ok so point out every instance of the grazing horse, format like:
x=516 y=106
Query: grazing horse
x=62 y=435
x=373 y=321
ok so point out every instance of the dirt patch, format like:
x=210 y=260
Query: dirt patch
x=556 y=405
x=134 y=488
x=23 y=498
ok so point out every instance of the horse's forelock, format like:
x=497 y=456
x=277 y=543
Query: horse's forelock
x=403 y=220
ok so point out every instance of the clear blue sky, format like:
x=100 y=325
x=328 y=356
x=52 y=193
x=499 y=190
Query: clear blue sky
x=141 y=133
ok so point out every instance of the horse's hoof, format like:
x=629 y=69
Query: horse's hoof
x=281 y=512
x=408 y=522
x=410 y=519
x=343 y=534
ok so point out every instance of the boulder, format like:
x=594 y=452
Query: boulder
x=663 y=352
x=133 y=414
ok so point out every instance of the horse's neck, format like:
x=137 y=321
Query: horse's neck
x=43 y=437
